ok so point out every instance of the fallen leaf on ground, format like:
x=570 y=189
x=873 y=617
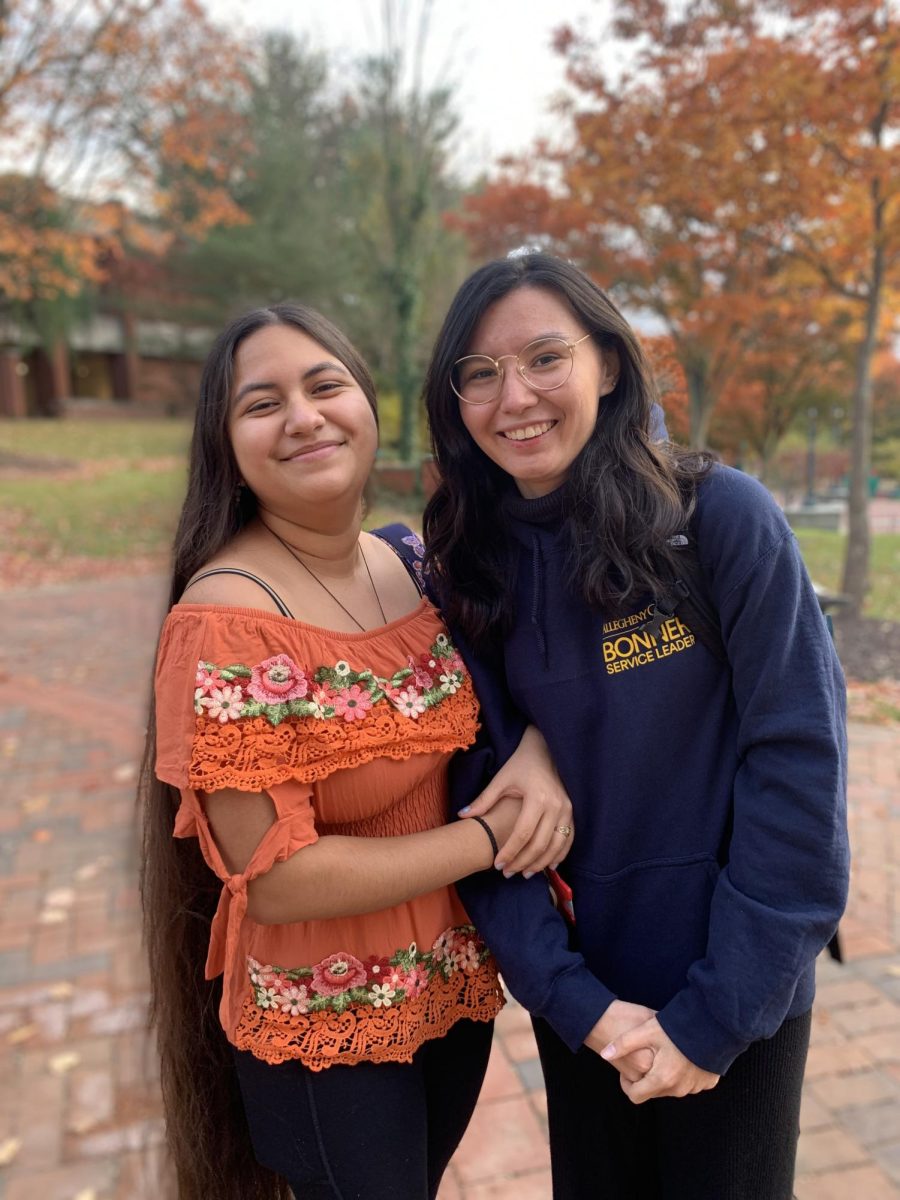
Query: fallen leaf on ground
x=876 y=703
x=22 y=1034
x=52 y=916
x=92 y=869
x=83 y=1125
x=59 y=1064
x=8 y=1150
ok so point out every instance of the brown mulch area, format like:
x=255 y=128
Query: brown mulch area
x=870 y=654
x=868 y=649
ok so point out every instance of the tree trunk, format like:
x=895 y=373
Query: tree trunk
x=406 y=303
x=856 y=563
x=855 y=583
x=53 y=381
x=13 y=402
x=767 y=450
x=700 y=404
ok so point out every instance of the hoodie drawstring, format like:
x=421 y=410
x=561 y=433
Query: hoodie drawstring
x=537 y=598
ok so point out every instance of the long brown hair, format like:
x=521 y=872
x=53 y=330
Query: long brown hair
x=207 y=1136
x=626 y=493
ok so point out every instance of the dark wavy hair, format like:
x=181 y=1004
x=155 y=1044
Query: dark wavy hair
x=626 y=493
x=207 y=1135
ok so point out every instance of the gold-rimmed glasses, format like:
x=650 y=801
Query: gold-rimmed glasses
x=545 y=364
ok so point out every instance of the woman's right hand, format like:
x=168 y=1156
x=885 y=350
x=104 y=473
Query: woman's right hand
x=619 y=1019
x=672 y=1073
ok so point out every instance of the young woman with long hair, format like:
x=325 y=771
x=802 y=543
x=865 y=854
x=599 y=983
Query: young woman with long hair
x=322 y=1004
x=707 y=780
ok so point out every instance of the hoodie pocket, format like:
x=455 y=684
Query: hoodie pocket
x=640 y=928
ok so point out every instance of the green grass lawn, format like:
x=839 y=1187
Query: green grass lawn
x=119 y=514
x=122 y=499
x=87 y=440
x=823 y=552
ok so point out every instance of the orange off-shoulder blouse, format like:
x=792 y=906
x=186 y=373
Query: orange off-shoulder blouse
x=348 y=734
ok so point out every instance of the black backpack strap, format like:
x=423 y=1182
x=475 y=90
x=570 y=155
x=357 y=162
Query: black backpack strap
x=689 y=598
x=695 y=602
x=408 y=547
x=279 y=603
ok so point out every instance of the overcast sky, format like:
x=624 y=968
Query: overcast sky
x=496 y=52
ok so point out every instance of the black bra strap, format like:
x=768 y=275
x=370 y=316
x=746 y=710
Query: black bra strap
x=282 y=607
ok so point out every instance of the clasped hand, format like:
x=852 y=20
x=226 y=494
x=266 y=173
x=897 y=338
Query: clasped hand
x=649 y=1063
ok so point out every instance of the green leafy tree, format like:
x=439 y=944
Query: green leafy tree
x=401 y=185
x=291 y=245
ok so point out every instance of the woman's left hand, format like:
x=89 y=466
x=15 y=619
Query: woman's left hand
x=672 y=1074
x=539 y=838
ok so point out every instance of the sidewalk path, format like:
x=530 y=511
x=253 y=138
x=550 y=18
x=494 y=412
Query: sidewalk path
x=79 y=1116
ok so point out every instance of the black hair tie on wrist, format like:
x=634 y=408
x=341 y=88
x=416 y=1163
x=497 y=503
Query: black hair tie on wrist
x=487 y=829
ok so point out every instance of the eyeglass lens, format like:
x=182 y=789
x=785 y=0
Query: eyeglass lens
x=544 y=364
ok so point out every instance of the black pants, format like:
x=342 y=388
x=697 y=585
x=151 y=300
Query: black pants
x=387 y=1129
x=736 y=1142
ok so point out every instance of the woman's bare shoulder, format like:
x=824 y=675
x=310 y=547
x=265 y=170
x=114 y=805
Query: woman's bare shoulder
x=230 y=580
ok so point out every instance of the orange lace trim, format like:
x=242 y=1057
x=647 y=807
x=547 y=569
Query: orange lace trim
x=251 y=754
x=365 y=1034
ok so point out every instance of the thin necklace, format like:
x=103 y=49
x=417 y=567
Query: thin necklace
x=326 y=588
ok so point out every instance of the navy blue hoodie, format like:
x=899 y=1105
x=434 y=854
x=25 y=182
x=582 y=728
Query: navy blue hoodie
x=710 y=856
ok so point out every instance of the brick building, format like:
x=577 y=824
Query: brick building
x=140 y=342
x=153 y=364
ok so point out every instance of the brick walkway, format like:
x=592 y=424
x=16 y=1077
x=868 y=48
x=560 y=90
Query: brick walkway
x=78 y=1113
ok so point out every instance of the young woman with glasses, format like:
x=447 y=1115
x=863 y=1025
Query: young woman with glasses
x=322 y=1004
x=710 y=859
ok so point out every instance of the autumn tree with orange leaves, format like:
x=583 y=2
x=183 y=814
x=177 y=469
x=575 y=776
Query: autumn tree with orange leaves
x=129 y=98
x=670 y=384
x=780 y=379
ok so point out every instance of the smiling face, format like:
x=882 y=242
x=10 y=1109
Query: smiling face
x=536 y=435
x=301 y=428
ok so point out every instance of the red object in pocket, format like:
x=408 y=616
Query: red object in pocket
x=561 y=894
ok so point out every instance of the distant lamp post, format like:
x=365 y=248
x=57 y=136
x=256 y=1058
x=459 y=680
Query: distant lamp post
x=812 y=415
x=837 y=424
x=837 y=436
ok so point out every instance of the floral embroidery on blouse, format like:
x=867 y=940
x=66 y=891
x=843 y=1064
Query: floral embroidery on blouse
x=278 y=688
x=418 y=548
x=342 y=980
